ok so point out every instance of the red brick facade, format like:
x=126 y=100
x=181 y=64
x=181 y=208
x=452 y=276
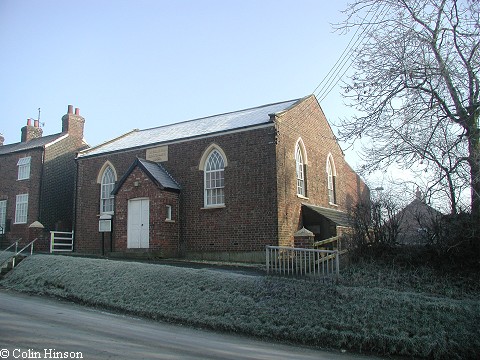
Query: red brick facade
x=261 y=202
x=50 y=184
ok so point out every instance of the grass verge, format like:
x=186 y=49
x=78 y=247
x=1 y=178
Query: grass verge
x=352 y=317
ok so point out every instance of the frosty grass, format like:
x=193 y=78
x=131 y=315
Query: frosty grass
x=357 y=318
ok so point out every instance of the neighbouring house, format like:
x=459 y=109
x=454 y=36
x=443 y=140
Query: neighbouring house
x=417 y=222
x=220 y=187
x=37 y=177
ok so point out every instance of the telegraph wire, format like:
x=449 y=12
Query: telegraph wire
x=326 y=89
x=335 y=70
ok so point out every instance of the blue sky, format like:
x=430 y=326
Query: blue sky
x=145 y=63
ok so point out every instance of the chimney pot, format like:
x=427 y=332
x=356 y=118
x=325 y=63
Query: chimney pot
x=29 y=122
x=35 y=123
x=77 y=111
x=70 y=109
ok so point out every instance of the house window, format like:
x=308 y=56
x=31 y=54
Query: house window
x=331 y=175
x=214 y=179
x=24 y=168
x=21 y=209
x=168 y=217
x=3 y=215
x=107 y=184
x=300 y=166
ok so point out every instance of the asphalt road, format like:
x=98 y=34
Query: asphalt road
x=40 y=327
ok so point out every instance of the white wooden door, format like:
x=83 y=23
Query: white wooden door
x=138 y=224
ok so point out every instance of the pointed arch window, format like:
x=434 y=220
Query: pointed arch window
x=214 y=175
x=107 y=184
x=331 y=180
x=301 y=169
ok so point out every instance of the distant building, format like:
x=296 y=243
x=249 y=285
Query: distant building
x=37 y=177
x=220 y=187
x=416 y=222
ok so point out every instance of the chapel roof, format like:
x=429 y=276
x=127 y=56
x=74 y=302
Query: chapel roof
x=192 y=128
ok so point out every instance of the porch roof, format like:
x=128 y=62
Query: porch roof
x=155 y=172
x=338 y=217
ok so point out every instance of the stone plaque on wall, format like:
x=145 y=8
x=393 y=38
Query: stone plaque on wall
x=158 y=154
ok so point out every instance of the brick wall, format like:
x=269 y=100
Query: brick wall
x=87 y=202
x=307 y=121
x=10 y=187
x=58 y=185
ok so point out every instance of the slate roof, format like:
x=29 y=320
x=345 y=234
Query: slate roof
x=191 y=129
x=155 y=172
x=32 y=144
x=338 y=217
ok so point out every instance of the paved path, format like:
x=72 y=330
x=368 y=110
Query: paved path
x=39 y=327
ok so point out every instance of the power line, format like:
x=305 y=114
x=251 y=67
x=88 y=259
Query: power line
x=332 y=76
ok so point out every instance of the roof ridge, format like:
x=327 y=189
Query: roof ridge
x=107 y=142
x=31 y=144
x=220 y=114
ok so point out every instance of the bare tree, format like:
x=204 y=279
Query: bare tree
x=415 y=82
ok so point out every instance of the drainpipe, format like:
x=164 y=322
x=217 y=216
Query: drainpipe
x=40 y=195
x=74 y=219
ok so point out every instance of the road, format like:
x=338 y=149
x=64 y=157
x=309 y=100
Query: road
x=40 y=327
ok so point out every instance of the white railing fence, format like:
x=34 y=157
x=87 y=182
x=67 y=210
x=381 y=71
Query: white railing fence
x=309 y=263
x=17 y=253
x=61 y=241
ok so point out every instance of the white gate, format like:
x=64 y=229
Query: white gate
x=61 y=241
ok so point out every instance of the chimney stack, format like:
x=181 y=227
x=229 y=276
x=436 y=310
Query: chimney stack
x=2 y=139
x=30 y=132
x=73 y=123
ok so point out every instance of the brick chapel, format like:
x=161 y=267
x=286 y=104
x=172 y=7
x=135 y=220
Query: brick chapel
x=221 y=187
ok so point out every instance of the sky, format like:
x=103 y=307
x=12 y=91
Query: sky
x=145 y=63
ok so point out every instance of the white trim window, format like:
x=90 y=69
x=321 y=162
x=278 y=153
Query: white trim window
x=168 y=216
x=24 y=168
x=21 y=209
x=331 y=175
x=300 y=169
x=3 y=215
x=107 y=200
x=214 y=179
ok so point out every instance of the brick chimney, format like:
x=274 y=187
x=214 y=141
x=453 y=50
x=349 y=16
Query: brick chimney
x=2 y=139
x=73 y=123
x=30 y=131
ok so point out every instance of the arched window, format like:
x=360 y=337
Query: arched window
x=331 y=175
x=300 y=166
x=214 y=179
x=107 y=184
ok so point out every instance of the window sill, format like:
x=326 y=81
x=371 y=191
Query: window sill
x=19 y=223
x=333 y=204
x=213 y=207
x=169 y=221
x=105 y=213
x=302 y=197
